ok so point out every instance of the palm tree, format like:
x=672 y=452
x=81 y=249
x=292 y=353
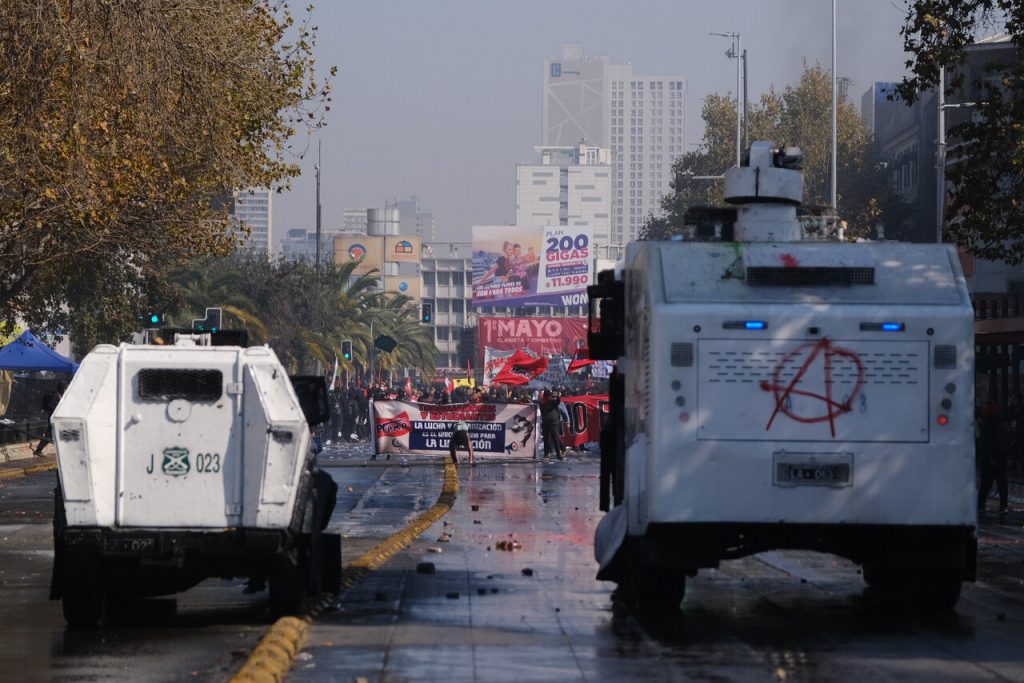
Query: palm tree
x=217 y=283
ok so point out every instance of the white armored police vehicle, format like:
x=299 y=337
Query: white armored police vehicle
x=186 y=461
x=774 y=393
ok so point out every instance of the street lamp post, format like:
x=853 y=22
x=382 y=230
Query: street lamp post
x=832 y=196
x=940 y=153
x=317 y=167
x=735 y=52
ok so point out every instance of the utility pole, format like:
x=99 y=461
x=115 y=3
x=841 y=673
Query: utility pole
x=833 y=194
x=317 y=167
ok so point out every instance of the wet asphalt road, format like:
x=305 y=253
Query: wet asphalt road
x=536 y=612
x=531 y=613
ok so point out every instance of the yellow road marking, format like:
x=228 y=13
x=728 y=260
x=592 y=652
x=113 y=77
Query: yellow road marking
x=273 y=656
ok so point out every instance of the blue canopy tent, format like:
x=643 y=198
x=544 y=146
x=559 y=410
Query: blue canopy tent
x=27 y=353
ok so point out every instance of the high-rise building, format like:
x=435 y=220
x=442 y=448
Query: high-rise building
x=640 y=118
x=354 y=221
x=570 y=186
x=414 y=220
x=253 y=209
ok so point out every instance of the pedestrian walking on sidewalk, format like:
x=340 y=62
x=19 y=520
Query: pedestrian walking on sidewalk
x=992 y=457
x=49 y=405
x=460 y=439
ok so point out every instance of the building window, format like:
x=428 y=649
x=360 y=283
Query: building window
x=428 y=278
x=444 y=278
x=442 y=306
x=458 y=278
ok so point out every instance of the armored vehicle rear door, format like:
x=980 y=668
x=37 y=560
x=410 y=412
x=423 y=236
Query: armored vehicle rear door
x=179 y=461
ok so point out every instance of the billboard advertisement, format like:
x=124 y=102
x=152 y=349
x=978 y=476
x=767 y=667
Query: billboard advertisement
x=515 y=266
x=367 y=251
x=400 y=249
x=505 y=429
x=543 y=336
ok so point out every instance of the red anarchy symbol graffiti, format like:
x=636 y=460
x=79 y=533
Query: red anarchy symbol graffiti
x=783 y=392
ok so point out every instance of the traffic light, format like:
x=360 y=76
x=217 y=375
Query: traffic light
x=211 y=323
x=427 y=313
x=346 y=350
x=152 y=319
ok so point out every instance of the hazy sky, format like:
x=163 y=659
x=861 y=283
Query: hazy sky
x=442 y=98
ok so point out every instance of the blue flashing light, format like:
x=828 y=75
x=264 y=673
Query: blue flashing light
x=754 y=325
x=892 y=327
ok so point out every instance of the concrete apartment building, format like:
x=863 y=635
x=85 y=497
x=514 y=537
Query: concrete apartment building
x=253 y=208
x=906 y=139
x=570 y=186
x=640 y=118
x=446 y=276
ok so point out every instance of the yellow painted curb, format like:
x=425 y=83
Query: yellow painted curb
x=31 y=469
x=273 y=656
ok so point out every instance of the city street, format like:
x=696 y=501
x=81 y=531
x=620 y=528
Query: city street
x=529 y=612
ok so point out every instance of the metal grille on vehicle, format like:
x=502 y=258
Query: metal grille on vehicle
x=945 y=357
x=753 y=367
x=70 y=435
x=166 y=384
x=810 y=276
x=682 y=355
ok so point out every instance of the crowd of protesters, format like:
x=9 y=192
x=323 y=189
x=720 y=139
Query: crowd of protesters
x=350 y=406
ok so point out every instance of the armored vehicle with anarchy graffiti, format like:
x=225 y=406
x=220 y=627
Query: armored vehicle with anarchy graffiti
x=186 y=461
x=776 y=393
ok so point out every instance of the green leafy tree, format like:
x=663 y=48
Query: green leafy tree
x=123 y=126
x=984 y=212
x=793 y=117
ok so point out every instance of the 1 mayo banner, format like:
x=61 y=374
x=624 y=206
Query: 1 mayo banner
x=425 y=428
x=547 y=336
x=517 y=266
x=585 y=418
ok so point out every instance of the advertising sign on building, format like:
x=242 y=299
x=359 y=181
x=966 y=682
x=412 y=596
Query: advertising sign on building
x=516 y=266
x=543 y=336
x=494 y=428
x=402 y=284
x=365 y=250
x=400 y=249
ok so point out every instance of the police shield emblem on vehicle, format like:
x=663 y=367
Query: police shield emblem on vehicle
x=175 y=462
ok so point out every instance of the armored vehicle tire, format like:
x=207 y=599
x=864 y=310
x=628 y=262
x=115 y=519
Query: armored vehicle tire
x=82 y=605
x=287 y=588
x=930 y=591
x=936 y=592
x=330 y=568
x=877 y=576
x=655 y=590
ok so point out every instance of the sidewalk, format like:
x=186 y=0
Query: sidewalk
x=17 y=460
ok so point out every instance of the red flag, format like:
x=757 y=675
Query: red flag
x=580 y=360
x=408 y=386
x=449 y=384
x=520 y=369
